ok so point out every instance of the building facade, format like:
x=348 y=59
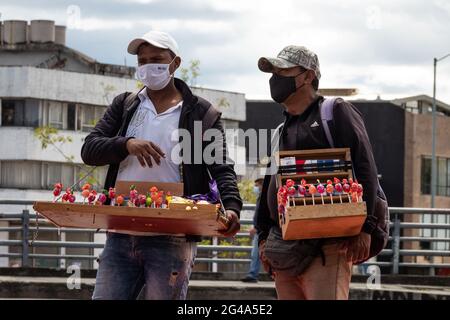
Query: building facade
x=45 y=84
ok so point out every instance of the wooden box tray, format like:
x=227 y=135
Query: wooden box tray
x=337 y=217
x=204 y=221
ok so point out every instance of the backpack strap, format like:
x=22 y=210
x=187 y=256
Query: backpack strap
x=326 y=114
x=210 y=117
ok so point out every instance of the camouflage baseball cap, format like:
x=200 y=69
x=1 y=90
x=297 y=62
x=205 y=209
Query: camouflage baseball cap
x=291 y=56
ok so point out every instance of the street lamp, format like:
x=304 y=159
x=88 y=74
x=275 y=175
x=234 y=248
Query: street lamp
x=433 y=151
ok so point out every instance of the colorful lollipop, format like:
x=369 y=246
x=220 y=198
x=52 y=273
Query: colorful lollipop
x=320 y=190
x=57 y=191
x=148 y=201
x=120 y=199
x=290 y=183
x=338 y=188
x=302 y=192
x=112 y=195
x=291 y=193
x=354 y=190
x=85 y=193
x=102 y=198
x=360 y=192
x=168 y=198
x=330 y=190
x=312 y=191
x=92 y=196
x=133 y=195
x=346 y=188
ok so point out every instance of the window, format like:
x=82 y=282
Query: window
x=21 y=174
x=89 y=117
x=20 y=113
x=442 y=174
x=425 y=176
x=71 y=116
x=55 y=114
x=35 y=174
x=59 y=172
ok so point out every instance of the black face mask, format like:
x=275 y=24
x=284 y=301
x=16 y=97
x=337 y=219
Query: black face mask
x=282 y=87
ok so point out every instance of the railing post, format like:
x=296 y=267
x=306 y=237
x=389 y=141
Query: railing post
x=215 y=242
x=25 y=233
x=396 y=246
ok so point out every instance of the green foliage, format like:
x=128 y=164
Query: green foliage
x=246 y=191
x=190 y=74
x=49 y=136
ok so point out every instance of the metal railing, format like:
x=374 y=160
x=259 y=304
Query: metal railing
x=396 y=256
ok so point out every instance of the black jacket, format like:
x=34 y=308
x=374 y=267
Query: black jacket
x=106 y=145
x=301 y=133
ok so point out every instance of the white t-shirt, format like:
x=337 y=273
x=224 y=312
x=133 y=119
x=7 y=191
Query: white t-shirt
x=147 y=124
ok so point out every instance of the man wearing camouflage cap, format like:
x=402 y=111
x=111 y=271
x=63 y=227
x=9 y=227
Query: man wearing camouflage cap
x=315 y=268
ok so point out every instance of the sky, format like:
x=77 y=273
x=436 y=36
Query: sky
x=382 y=48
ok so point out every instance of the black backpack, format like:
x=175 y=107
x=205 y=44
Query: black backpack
x=380 y=234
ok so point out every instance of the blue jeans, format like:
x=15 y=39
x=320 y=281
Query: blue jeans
x=255 y=264
x=162 y=263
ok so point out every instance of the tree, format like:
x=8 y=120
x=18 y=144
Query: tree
x=190 y=74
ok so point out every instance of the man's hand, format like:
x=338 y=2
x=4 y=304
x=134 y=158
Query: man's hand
x=358 y=247
x=235 y=225
x=252 y=232
x=145 y=151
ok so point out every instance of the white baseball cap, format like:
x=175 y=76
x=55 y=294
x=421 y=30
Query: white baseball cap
x=156 y=38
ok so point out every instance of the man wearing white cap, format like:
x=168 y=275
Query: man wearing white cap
x=315 y=268
x=135 y=138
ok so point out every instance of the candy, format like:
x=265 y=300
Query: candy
x=133 y=193
x=153 y=189
x=142 y=199
x=71 y=198
x=56 y=192
x=289 y=183
x=321 y=190
x=346 y=188
x=330 y=190
x=338 y=188
x=85 y=193
x=87 y=186
x=312 y=191
x=360 y=192
x=120 y=200
x=102 y=198
x=92 y=196
x=148 y=202
x=168 y=198
x=302 y=192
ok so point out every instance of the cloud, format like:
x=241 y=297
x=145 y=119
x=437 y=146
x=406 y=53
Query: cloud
x=380 y=47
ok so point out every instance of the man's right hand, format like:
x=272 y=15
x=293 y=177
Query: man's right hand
x=145 y=150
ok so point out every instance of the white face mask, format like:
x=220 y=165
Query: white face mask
x=155 y=76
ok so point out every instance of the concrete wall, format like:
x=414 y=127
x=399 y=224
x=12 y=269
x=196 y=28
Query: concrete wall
x=61 y=85
x=93 y=89
x=231 y=104
x=19 y=143
x=35 y=58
